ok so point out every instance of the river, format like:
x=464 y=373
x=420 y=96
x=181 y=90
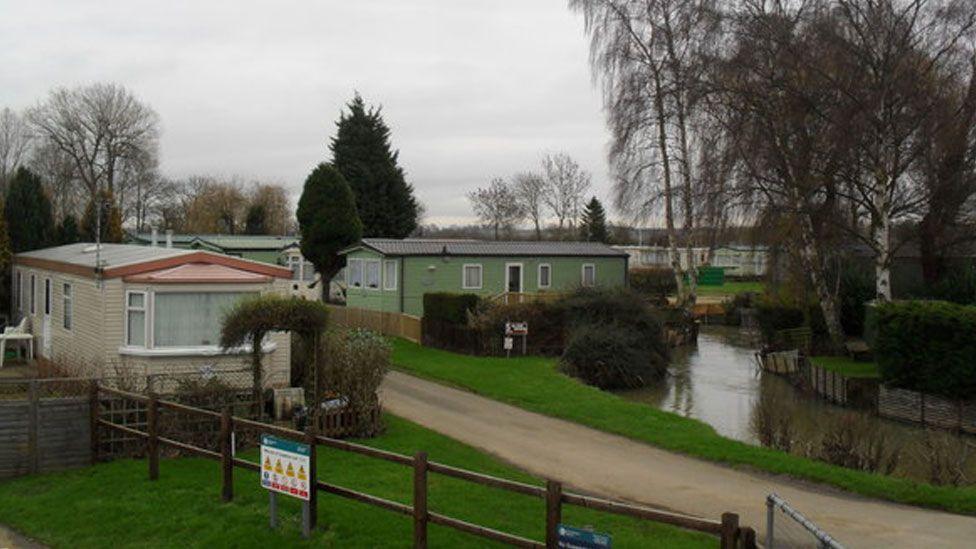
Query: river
x=718 y=382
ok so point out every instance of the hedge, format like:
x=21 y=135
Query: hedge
x=928 y=346
x=654 y=282
x=449 y=307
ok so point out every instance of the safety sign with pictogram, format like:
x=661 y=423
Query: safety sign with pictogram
x=284 y=466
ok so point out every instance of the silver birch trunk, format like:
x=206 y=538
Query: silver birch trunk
x=668 y=194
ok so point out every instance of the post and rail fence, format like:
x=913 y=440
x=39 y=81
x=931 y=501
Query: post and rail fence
x=728 y=530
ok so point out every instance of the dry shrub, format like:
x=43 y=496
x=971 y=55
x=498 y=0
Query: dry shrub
x=856 y=442
x=354 y=363
x=772 y=423
x=945 y=457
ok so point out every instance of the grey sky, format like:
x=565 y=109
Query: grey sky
x=470 y=89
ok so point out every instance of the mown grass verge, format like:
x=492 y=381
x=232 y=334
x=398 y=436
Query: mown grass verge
x=533 y=383
x=846 y=366
x=114 y=505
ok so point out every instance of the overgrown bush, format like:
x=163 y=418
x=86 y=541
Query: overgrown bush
x=546 y=321
x=613 y=356
x=353 y=366
x=656 y=283
x=775 y=313
x=928 y=346
x=856 y=442
x=735 y=305
x=856 y=290
x=944 y=458
x=449 y=307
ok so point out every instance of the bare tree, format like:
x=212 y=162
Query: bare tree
x=273 y=199
x=530 y=190
x=103 y=128
x=15 y=142
x=566 y=186
x=497 y=205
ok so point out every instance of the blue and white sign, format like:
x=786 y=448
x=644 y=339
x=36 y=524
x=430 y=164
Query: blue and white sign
x=578 y=538
x=285 y=466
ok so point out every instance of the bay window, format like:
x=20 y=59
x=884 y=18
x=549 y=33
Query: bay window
x=373 y=274
x=355 y=269
x=190 y=319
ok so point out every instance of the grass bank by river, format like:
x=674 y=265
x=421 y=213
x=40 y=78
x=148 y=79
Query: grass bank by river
x=534 y=383
x=114 y=505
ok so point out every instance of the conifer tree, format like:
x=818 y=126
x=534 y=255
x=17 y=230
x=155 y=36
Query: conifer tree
x=30 y=224
x=362 y=153
x=6 y=259
x=67 y=231
x=593 y=227
x=111 y=220
x=327 y=220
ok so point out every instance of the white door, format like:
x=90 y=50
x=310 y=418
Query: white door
x=513 y=278
x=46 y=320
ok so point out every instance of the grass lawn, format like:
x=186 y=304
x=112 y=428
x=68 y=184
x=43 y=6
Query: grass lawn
x=114 y=505
x=534 y=383
x=731 y=288
x=847 y=366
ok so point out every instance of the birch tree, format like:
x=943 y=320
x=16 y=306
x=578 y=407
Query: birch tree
x=566 y=186
x=530 y=191
x=497 y=206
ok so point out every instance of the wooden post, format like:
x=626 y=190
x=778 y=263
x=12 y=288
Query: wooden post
x=313 y=472
x=152 y=441
x=93 y=413
x=730 y=530
x=33 y=459
x=420 y=500
x=226 y=456
x=554 y=512
x=748 y=538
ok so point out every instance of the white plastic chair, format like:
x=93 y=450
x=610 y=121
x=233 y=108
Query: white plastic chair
x=17 y=333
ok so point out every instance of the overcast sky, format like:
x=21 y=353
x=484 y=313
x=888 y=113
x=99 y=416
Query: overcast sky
x=471 y=89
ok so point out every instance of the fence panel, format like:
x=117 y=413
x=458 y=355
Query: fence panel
x=926 y=409
x=384 y=322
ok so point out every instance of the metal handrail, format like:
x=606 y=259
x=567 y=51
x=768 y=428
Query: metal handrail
x=825 y=541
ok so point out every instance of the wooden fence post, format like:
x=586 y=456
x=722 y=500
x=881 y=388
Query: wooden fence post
x=730 y=529
x=748 y=538
x=226 y=456
x=313 y=474
x=33 y=459
x=420 y=500
x=93 y=413
x=554 y=512
x=152 y=441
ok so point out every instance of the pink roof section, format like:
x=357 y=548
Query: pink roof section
x=199 y=273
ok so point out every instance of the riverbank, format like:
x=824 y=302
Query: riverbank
x=534 y=383
x=114 y=505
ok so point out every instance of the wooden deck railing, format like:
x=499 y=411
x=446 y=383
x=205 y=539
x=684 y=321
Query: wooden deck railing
x=730 y=533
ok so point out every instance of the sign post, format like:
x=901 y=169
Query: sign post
x=285 y=469
x=513 y=330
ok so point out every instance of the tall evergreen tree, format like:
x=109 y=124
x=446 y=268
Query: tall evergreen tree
x=362 y=153
x=593 y=227
x=67 y=231
x=327 y=220
x=29 y=220
x=111 y=219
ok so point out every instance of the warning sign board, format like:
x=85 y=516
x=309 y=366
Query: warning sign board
x=284 y=466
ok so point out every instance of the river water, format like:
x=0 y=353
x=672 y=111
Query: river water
x=719 y=382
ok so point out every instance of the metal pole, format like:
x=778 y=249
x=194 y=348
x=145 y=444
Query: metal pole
x=306 y=520
x=273 y=507
x=770 y=513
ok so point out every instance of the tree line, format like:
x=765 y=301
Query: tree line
x=831 y=124
x=556 y=193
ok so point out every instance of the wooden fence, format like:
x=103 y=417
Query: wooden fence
x=388 y=323
x=926 y=409
x=43 y=431
x=730 y=533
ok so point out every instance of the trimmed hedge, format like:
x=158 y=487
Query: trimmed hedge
x=928 y=346
x=449 y=307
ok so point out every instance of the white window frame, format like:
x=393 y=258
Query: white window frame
x=147 y=319
x=362 y=273
x=521 y=267
x=48 y=296
x=379 y=274
x=583 y=275
x=67 y=306
x=387 y=283
x=539 y=283
x=481 y=276
x=33 y=294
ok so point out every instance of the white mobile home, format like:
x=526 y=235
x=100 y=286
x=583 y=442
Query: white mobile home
x=145 y=309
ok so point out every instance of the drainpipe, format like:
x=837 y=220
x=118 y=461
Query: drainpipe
x=400 y=278
x=169 y=238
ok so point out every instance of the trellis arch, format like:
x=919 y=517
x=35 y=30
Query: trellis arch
x=250 y=320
